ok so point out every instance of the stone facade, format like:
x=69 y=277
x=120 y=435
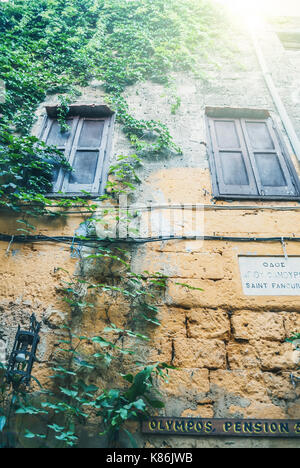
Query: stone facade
x=229 y=349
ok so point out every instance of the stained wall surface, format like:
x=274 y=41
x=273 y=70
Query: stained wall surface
x=228 y=348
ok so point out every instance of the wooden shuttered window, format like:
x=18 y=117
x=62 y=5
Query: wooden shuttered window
x=85 y=148
x=248 y=160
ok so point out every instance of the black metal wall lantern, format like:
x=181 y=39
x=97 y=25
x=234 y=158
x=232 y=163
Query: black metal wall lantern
x=22 y=357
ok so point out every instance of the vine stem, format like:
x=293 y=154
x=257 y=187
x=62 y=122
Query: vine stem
x=9 y=246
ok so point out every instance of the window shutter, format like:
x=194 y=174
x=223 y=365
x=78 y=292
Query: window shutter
x=87 y=156
x=63 y=141
x=233 y=169
x=250 y=160
x=269 y=163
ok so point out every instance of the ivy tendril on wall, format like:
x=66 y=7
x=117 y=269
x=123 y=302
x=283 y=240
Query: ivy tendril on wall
x=52 y=47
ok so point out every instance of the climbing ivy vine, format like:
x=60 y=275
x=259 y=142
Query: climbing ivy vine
x=53 y=47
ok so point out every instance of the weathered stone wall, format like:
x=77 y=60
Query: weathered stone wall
x=229 y=349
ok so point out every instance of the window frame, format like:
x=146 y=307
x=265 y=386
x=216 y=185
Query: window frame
x=241 y=116
x=79 y=114
x=290 y=40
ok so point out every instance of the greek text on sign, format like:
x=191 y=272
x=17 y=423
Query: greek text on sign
x=270 y=276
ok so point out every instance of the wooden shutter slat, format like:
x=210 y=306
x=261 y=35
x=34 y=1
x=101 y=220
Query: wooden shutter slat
x=259 y=135
x=226 y=134
x=236 y=184
x=269 y=170
x=56 y=137
x=92 y=165
x=84 y=167
x=65 y=149
x=91 y=133
x=102 y=150
x=66 y=183
x=275 y=164
x=62 y=174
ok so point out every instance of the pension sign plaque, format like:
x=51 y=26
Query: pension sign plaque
x=222 y=427
x=270 y=276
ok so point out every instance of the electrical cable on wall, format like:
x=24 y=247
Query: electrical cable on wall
x=93 y=241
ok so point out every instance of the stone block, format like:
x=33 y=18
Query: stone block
x=275 y=356
x=192 y=384
x=257 y=410
x=291 y=323
x=293 y=410
x=184 y=265
x=258 y=325
x=202 y=411
x=191 y=352
x=54 y=318
x=280 y=386
x=161 y=350
x=242 y=383
x=208 y=323
x=203 y=294
x=242 y=356
x=173 y=322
